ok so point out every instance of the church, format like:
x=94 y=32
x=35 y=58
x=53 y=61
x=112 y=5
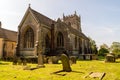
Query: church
x=38 y=33
x=8 y=40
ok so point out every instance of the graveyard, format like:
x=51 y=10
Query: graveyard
x=79 y=71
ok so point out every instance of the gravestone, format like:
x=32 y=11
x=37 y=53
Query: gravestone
x=24 y=62
x=53 y=60
x=15 y=60
x=65 y=63
x=110 y=58
x=94 y=75
x=19 y=61
x=45 y=59
x=27 y=68
x=73 y=59
x=40 y=60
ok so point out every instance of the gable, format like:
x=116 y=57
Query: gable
x=29 y=19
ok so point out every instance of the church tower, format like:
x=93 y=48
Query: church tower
x=73 y=20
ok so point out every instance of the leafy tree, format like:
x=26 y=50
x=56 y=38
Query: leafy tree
x=104 y=46
x=104 y=49
x=115 y=48
x=93 y=46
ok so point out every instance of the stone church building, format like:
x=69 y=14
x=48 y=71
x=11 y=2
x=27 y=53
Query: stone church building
x=8 y=40
x=38 y=33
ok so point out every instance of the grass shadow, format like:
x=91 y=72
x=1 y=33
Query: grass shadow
x=58 y=72
x=4 y=63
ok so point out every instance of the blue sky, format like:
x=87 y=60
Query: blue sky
x=100 y=19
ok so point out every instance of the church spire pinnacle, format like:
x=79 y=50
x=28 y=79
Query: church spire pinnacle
x=29 y=5
x=75 y=13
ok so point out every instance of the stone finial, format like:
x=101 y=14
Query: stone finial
x=58 y=20
x=29 y=5
x=63 y=15
x=75 y=12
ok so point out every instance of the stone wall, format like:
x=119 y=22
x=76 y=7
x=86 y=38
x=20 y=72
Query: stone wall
x=9 y=48
x=1 y=47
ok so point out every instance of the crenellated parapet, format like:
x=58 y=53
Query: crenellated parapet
x=74 y=20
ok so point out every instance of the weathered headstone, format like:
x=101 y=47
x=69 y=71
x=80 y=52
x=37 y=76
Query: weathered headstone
x=50 y=60
x=15 y=60
x=96 y=75
x=53 y=60
x=24 y=62
x=45 y=59
x=72 y=59
x=65 y=63
x=110 y=58
x=19 y=61
x=40 y=60
x=27 y=68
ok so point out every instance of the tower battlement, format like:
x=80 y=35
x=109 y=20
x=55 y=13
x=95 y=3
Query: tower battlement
x=73 y=20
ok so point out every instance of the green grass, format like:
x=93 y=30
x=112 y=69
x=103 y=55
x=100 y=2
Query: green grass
x=81 y=69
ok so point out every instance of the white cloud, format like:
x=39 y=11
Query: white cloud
x=108 y=30
x=102 y=34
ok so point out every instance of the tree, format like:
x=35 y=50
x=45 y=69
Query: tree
x=104 y=46
x=115 y=48
x=93 y=46
x=104 y=49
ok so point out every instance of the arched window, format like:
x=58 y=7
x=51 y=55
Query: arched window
x=29 y=38
x=60 y=40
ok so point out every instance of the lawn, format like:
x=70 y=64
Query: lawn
x=80 y=70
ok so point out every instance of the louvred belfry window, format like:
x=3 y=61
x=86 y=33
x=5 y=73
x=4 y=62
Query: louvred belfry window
x=29 y=38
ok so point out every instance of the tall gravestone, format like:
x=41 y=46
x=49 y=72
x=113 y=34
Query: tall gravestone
x=65 y=63
x=40 y=55
x=40 y=60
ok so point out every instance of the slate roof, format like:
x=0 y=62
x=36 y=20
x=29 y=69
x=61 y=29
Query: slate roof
x=76 y=32
x=41 y=18
x=8 y=34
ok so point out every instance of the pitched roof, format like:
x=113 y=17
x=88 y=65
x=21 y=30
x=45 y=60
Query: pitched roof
x=8 y=34
x=76 y=32
x=41 y=18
